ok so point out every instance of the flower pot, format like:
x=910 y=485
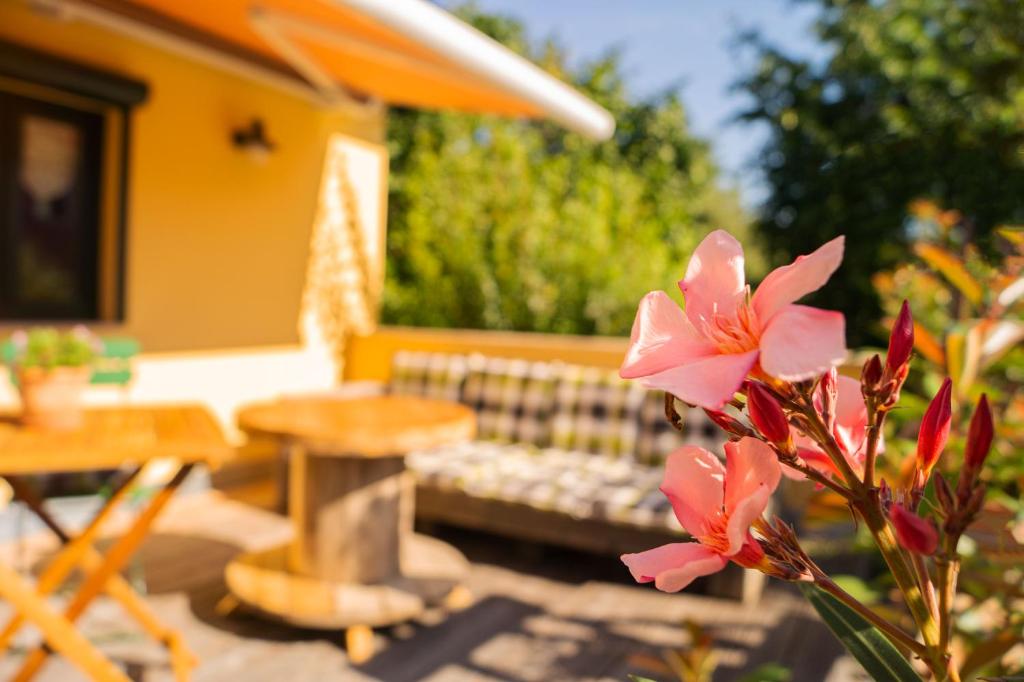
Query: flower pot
x=52 y=398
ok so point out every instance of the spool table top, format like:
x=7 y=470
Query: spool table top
x=376 y=426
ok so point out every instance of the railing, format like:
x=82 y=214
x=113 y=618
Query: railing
x=368 y=358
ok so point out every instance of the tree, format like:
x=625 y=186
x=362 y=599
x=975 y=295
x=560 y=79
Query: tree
x=511 y=224
x=919 y=99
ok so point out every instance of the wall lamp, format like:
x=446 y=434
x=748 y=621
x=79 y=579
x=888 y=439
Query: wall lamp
x=253 y=140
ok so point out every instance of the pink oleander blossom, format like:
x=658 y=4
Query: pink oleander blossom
x=703 y=354
x=716 y=504
x=850 y=431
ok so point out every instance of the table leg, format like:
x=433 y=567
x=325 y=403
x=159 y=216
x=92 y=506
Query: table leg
x=59 y=633
x=359 y=644
x=66 y=560
x=80 y=552
x=113 y=562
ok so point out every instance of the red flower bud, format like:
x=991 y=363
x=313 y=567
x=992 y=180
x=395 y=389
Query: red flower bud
x=934 y=431
x=979 y=441
x=979 y=436
x=871 y=375
x=828 y=389
x=901 y=340
x=913 y=532
x=829 y=384
x=728 y=423
x=885 y=494
x=767 y=414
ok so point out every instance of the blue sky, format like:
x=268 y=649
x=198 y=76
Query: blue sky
x=685 y=44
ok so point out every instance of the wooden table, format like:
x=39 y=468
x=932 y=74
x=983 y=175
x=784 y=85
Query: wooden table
x=110 y=438
x=355 y=562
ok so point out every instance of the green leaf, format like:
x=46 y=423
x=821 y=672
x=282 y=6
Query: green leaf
x=880 y=658
x=769 y=672
x=637 y=678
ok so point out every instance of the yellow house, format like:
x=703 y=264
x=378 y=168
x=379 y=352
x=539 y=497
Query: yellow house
x=210 y=177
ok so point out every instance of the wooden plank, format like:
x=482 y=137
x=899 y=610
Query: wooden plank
x=113 y=437
x=570 y=615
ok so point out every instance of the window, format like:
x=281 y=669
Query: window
x=63 y=180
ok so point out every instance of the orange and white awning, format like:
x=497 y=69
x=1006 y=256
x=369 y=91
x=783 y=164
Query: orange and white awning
x=401 y=52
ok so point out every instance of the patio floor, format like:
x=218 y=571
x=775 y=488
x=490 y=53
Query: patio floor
x=539 y=614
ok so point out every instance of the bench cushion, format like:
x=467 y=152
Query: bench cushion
x=580 y=484
x=512 y=398
x=429 y=375
x=596 y=411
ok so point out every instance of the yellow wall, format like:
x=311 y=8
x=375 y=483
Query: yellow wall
x=217 y=243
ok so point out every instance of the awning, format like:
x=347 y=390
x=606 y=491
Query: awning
x=402 y=52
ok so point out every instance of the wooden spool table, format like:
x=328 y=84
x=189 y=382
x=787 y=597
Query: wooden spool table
x=354 y=562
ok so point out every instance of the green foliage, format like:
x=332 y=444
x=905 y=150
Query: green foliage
x=47 y=348
x=969 y=325
x=500 y=223
x=864 y=642
x=769 y=672
x=919 y=98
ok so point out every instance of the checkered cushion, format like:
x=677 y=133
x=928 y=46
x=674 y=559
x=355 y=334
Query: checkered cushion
x=580 y=484
x=596 y=411
x=512 y=399
x=657 y=437
x=430 y=375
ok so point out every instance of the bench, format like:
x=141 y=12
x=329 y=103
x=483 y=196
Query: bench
x=565 y=454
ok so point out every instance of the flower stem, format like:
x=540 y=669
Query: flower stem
x=924 y=581
x=819 y=477
x=947 y=569
x=876 y=418
x=827 y=441
x=901 y=572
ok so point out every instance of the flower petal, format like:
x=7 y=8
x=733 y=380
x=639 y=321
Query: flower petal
x=662 y=338
x=708 y=382
x=749 y=464
x=673 y=567
x=693 y=483
x=744 y=514
x=852 y=417
x=801 y=343
x=714 y=281
x=792 y=282
x=851 y=411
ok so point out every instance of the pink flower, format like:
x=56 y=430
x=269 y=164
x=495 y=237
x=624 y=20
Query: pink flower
x=702 y=355
x=716 y=505
x=850 y=431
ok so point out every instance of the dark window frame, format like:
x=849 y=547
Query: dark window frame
x=36 y=79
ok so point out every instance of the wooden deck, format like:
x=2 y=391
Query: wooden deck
x=540 y=614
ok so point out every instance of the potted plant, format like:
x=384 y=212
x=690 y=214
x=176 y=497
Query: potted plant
x=52 y=368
